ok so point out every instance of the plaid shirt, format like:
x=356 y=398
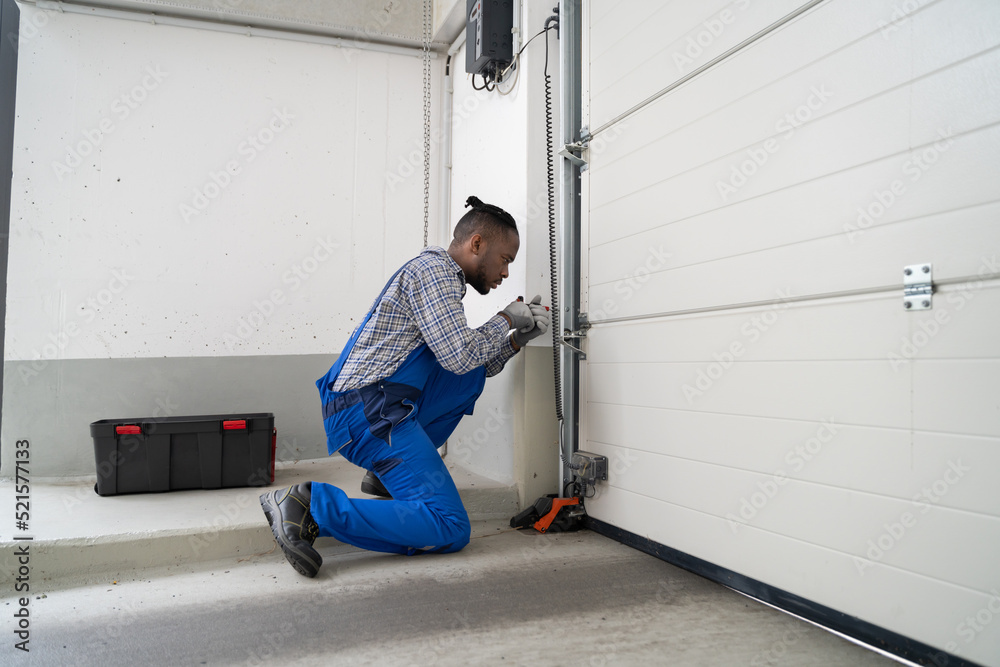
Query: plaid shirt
x=424 y=305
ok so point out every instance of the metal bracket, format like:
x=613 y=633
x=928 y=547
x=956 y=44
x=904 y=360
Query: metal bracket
x=578 y=334
x=575 y=159
x=574 y=151
x=918 y=288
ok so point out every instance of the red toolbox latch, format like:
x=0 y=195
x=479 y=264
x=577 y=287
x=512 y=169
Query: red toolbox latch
x=128 y=429
x=234 y=425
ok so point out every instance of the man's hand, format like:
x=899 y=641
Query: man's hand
x=540 y=321
x=519 y=315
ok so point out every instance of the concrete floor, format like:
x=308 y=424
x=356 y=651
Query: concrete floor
x=509 y=598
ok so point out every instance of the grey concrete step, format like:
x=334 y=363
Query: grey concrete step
x=81 y=536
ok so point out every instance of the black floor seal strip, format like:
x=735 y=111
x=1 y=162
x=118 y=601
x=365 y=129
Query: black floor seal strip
x=863 y=631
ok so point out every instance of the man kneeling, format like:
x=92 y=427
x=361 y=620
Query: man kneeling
x=409 y=373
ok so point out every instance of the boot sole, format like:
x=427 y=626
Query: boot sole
x=303 y=563
x=373 y=490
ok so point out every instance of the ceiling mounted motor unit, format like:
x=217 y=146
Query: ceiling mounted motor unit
x=489 y=39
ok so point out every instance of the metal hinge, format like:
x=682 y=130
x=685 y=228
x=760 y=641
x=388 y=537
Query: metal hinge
x=578 y=334
x=918 y=290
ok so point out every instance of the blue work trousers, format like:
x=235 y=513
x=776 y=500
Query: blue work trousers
x=394 y=429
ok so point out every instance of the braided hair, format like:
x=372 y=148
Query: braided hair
x=487 y=220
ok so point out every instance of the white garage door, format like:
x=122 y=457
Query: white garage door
x=766 y=401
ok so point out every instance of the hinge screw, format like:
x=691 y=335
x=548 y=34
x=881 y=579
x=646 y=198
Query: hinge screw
x=926 y=269
x=926 y=303
x=907 y=271
x=907 y=304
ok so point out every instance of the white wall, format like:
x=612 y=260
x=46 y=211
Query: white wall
x=145 y=250
x=120 y=254
x=499 y=155
x=121 y=300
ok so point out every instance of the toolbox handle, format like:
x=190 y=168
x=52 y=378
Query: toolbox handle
x=128 y=429
x=234 y=424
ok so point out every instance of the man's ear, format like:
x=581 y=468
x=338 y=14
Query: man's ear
x=476 y=243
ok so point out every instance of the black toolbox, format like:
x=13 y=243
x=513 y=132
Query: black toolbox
x=173 y=453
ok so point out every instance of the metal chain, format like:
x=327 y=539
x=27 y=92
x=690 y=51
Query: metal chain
x=428 y=19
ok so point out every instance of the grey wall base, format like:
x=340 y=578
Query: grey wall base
x=52 y=403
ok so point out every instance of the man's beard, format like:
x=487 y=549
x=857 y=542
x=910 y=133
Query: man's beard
x=479 y=282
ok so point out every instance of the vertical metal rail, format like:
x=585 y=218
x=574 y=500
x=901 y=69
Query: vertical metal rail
x=570 y=102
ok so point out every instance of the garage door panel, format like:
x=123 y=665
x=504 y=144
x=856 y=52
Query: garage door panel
x=895 y=463
x=603 y=10
x=863 y=393
x=759 y=162
x=751 y=115
x=961 y=28
x=967 y=203
x=887 y=596
x=768 y=112
x=767 y=64
x=919 y=535
x=793 y=390
x=876 y=258
x=961 y=96
x=697 y=146
x=616 y=21
x=958 y=176
x=868 y=129
x=665 y=56
x=927 y=110
x=939 y=39
x=644 y=29
x=702 y=400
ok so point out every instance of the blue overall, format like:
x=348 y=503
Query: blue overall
x=393 y=428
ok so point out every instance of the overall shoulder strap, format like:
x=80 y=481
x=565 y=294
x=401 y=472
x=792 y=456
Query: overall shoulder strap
x=331 y=376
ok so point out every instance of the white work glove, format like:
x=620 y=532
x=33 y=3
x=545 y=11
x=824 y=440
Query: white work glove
x=519 y=314
x=540 y=318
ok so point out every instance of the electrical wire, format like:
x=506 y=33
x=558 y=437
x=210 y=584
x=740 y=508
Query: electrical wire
x=515 y=64
x=554 y=281
x=493 y=79
x=517 y=56
x=517 y=75
x=486 y=84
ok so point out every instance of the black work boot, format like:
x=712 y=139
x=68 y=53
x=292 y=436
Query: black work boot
x=372 y=485
x=287 y=510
